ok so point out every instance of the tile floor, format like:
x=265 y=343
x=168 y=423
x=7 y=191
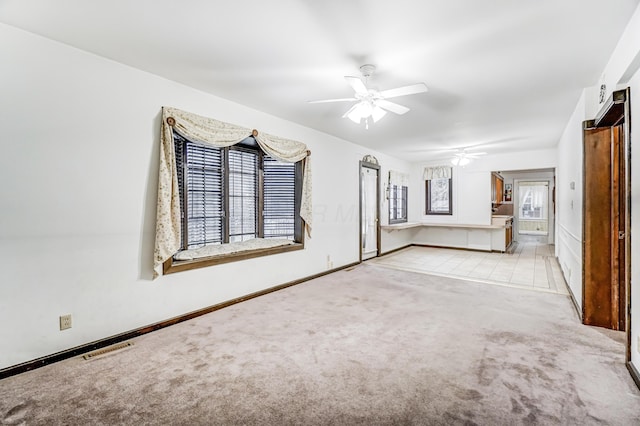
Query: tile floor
x=531 y=264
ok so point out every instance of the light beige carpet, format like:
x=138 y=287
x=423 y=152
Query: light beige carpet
x=362 y=347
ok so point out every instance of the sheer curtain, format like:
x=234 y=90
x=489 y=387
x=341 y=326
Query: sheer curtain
x=533 y=207
x=216 y=133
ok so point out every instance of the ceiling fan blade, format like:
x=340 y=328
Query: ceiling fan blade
x=405 y=90
x=322 y=101
x=391 y=106
x=357 y=85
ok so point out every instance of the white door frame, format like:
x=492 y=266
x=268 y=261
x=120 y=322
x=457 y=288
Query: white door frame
x=550 y=210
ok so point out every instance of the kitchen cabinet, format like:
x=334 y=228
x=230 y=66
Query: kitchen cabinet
x=502 y=236
x=508 y=233
x=497 y=188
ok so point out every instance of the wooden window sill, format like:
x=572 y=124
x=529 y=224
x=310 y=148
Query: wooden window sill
x=171 y=266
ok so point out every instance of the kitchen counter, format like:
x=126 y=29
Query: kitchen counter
x=408 y=225
x=490 y=237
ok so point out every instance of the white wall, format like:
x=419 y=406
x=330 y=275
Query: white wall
x=569 y=201
x=80 y=137
x=625 y=59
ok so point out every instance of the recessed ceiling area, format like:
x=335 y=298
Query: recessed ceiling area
x=503 y=75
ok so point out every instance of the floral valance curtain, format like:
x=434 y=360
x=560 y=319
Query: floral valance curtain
x=398 y=179
x=437 y=172
x=219 y=134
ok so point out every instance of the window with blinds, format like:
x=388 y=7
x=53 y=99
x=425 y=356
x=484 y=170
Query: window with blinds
x=397 y=204
x=243 y=195
x=234 y=194
x=200 y=178
x=279 y=199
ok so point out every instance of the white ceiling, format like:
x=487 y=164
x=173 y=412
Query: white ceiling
x=503 y=73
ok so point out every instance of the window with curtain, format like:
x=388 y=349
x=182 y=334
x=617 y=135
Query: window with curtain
x=533 y=207
x=398 y=197
x=438 y=190
x=533 y=200
x=227 y=193
x=234 y=194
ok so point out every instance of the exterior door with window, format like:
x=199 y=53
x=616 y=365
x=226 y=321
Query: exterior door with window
x=369 y=211
x=533 y=207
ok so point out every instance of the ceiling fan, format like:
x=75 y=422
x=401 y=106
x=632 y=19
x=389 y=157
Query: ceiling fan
x=462 y=157
x=371 y=102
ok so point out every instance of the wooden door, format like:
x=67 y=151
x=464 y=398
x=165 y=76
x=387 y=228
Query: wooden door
x=598 y=303
x=604 y=285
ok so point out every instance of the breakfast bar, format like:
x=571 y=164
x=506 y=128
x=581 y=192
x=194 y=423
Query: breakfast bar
x=496 y=236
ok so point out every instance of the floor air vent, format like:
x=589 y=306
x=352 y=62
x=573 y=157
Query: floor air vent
x=107 y=350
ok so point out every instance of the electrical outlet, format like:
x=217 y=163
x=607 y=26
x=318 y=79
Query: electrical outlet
x=638 y=347
x=65 y=322
x=329 y=261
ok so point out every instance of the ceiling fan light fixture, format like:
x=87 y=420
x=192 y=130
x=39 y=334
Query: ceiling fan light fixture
x=365 y=108
x=355 y=116
x=361 y=110
x=460 y=161
x=377 y=113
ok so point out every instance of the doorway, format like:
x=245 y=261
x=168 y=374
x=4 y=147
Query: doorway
x=533 y=212
x=533 y=207
x=606 y=227
x=369 y=208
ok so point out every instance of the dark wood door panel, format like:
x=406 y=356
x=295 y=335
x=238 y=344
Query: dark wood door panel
x=597 y=227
